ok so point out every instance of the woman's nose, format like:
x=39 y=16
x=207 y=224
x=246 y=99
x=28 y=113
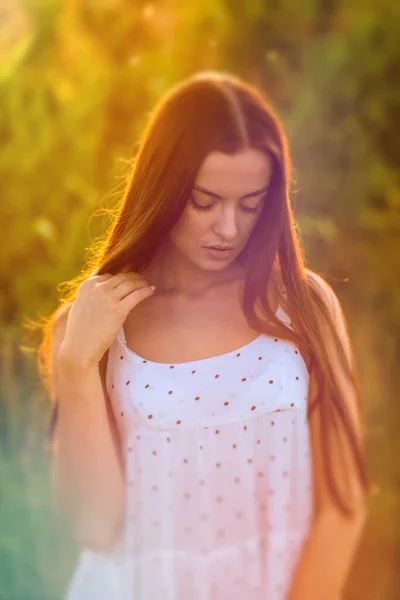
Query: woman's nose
x=226 y=225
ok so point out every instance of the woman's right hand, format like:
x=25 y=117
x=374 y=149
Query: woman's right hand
x=98 y=313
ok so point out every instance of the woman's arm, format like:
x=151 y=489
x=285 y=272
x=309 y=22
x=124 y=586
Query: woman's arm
x=88 y=480
x=326 y=558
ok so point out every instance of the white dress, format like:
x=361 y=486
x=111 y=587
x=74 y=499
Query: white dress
x=218 y=476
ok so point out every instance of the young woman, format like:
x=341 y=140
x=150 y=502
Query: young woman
x=207 y=434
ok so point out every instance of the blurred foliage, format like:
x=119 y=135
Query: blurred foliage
x=77 y=81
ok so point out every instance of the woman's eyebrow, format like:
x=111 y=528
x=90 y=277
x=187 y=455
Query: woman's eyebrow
x=256 y=193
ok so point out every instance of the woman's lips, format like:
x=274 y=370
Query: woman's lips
x=219 y=254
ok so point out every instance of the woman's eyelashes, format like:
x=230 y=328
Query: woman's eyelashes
x=200 y=208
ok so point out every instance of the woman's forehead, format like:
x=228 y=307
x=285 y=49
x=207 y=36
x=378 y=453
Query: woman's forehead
x=239 y=173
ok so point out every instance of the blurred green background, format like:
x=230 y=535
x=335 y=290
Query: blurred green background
x=78 y=79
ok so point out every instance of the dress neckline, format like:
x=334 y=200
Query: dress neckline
x=122 y=340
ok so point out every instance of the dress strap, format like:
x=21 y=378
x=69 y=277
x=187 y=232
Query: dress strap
x=121 y=336
x=282 y=315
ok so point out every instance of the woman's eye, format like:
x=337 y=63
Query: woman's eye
x=200 y=208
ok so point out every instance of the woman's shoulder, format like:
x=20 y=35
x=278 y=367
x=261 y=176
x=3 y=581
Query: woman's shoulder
x=319 y=284
x=324 y=292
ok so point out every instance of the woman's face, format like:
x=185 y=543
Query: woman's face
x=224 y=207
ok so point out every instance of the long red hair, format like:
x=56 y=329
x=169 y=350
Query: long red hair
x=212 y=111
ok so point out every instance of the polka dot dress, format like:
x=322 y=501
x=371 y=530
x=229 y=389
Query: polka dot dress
x=218 y=476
